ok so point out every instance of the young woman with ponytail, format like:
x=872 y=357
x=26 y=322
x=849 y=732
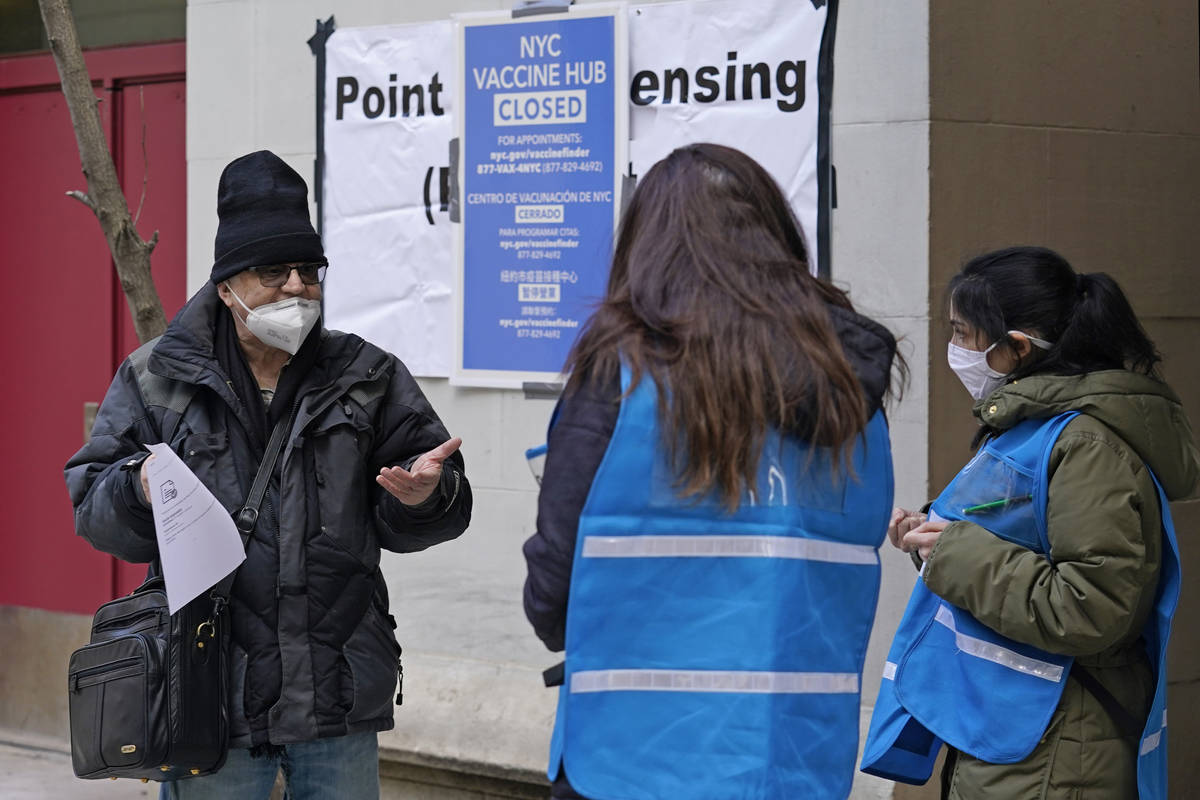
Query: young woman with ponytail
x=1049 y=568
x=717 y=482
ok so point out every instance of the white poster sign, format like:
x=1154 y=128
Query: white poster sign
x=747 y=75
x=732 y=73
x=388 y=125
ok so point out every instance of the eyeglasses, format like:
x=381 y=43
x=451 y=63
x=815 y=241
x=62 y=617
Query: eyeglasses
x=275 y=275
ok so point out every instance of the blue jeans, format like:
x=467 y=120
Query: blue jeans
x=345 y=767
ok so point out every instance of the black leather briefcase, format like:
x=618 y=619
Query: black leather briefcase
x=148 y=695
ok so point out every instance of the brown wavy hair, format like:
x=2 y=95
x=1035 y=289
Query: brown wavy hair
x=710 y=293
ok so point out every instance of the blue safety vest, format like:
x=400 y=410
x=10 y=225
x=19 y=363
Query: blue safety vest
x=716 y=655
x=949 y=678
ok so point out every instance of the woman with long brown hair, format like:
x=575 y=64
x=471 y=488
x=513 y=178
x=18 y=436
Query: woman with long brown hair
x=717 y=482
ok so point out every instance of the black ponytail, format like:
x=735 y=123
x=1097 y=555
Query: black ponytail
x=1086 y=317
x=1103 y=327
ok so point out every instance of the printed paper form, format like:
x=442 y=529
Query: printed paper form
x=198 y=542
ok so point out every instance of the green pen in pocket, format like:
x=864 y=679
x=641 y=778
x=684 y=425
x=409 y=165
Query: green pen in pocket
x=995 y=505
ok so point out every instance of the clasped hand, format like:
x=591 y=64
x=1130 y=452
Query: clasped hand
x=912 y=530
x=414 y=486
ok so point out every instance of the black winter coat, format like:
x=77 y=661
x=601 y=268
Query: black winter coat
x=313 y=652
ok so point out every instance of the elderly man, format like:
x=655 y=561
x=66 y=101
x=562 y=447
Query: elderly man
x=366 y=465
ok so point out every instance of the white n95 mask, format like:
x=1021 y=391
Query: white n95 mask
x=283 y=324
x=972 y=369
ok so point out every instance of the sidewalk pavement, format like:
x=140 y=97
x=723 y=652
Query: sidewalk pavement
x=36 y=769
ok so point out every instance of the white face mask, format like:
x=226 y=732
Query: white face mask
x=283 y=324
x=972 y=368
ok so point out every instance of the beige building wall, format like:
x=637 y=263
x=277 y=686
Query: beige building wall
x=1075 y=124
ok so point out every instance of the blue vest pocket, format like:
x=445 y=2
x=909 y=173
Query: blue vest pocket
x=995 y=494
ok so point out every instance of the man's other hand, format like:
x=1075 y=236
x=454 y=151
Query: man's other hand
x=414 y=486
x=146 y=478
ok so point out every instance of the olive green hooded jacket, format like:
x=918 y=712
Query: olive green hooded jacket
x=1093 y=598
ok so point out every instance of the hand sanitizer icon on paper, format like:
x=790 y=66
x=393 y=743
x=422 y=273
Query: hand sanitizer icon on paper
x=169 y=492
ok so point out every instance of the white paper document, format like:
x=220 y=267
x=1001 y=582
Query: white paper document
x=198 y=542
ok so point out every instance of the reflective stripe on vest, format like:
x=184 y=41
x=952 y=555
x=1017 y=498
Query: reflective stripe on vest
x=666 y=680
x=699 y=546
x=998 y=654
x=989 y=651
x=1151 y=742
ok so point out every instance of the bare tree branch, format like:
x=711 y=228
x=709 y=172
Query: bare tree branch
x=145 y=156
x=83 y=198
x=130 y=253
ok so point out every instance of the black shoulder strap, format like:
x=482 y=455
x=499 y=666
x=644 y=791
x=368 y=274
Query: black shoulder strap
x=1126 y=723
x=247 y=518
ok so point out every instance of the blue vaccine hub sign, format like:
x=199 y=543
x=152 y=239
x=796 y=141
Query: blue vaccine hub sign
x=543 y=144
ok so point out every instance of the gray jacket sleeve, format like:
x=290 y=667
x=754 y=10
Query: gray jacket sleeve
x=103 y=478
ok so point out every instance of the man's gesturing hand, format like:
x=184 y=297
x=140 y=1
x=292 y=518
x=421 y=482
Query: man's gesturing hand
x=414 y=486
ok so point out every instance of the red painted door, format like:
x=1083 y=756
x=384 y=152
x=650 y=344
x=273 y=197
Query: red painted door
x=67 y=327
x=153 y=170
